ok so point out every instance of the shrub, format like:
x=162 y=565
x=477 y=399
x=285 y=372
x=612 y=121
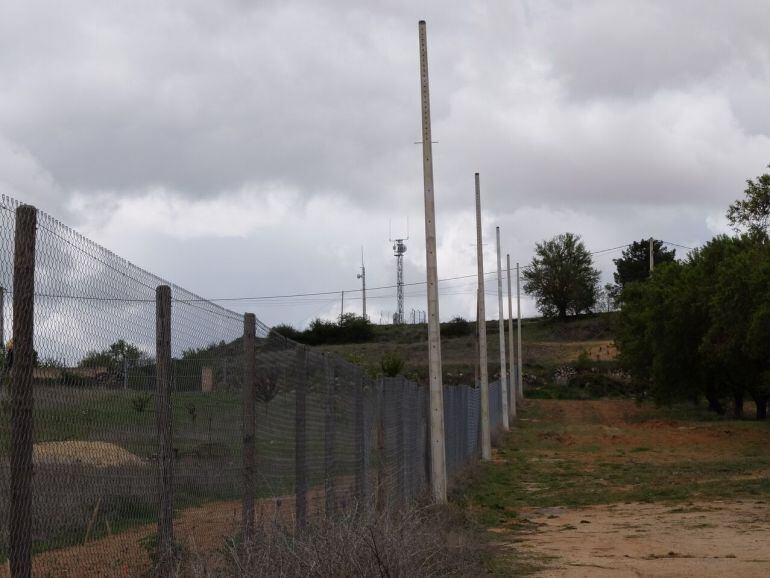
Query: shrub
x=287 y=331
x=434 y=541
x=392 y=364
x=140 y=402
x=350 y=329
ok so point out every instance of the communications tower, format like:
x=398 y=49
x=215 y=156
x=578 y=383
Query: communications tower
x=399 y=248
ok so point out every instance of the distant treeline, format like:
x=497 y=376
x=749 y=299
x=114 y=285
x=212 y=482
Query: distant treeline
x=353 y=328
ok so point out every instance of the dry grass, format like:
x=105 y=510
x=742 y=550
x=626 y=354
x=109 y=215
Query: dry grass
x=97 y=454
x=428 y=541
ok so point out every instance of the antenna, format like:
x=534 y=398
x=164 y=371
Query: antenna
x=362 y=276
x=399 y=248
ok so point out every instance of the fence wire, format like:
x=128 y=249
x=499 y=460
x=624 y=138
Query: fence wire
x=128 y=432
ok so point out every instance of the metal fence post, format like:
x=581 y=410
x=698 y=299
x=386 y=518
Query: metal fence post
x=20 y=521
x=300 y=441
x=164 y=425
x=360 y=443
x=329 y=433
x=249 y=394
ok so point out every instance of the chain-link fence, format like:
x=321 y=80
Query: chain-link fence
x=137 y=417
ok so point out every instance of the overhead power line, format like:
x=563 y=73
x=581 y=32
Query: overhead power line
x=678 y=245
x=298 y=296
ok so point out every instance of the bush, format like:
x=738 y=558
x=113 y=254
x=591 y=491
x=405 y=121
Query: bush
x=457 y=327
x=392 y=364
x=140 y=402
x=598 y=385
x=350 y=329
x=434 y=541
x=287 y=331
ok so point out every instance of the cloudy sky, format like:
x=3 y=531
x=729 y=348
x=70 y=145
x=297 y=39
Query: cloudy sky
x=248 y=149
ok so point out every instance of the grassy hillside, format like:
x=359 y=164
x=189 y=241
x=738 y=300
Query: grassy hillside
x=546 y=346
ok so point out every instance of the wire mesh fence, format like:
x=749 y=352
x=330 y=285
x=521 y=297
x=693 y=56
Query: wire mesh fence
x=131 y=407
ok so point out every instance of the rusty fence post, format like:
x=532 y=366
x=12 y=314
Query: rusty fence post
x=20 y=520
x=249 y=397
x=164 y=426
x=300 y=439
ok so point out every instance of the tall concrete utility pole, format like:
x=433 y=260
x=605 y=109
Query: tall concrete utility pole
x=486 y=438
x=362 y=276
x=518 y=332
x=501 y=331
x=2 y=318
x=438 y=452
x=652 y=258
x=476 y=343
x=512 y=379
x=342 y=306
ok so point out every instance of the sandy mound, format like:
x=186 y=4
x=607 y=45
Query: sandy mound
x=96 y=454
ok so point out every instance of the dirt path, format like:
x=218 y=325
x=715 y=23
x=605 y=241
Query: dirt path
x=614 y=488
x=703 y=540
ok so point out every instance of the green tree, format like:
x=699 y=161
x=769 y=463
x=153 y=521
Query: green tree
x=752 y=213
x=116 y=358
x=736 y=278
x=562 y=277
x=659 y=331
x=634 y=262
x=701 y=327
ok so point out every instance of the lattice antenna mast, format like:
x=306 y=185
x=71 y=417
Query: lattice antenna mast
x=399 y=248
x=362 y=276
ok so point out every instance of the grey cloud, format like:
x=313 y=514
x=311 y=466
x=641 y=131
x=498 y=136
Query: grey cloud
x=577 y=114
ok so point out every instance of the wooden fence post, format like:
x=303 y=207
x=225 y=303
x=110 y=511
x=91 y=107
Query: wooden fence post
x=249 y=394
x=164 y=425
x=360 y=443
x=20 y=520
x=400 y=462
x=381 y=446
x=330 y=378
x=300 y=441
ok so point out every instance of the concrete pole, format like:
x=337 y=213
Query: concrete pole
x=512 y=380
x=2 y=318
x=652 y=258
x=342 y=306
x=518 y=333
x=501 y=331
x=476 y=343
x=486 y=438
x=438 y=451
